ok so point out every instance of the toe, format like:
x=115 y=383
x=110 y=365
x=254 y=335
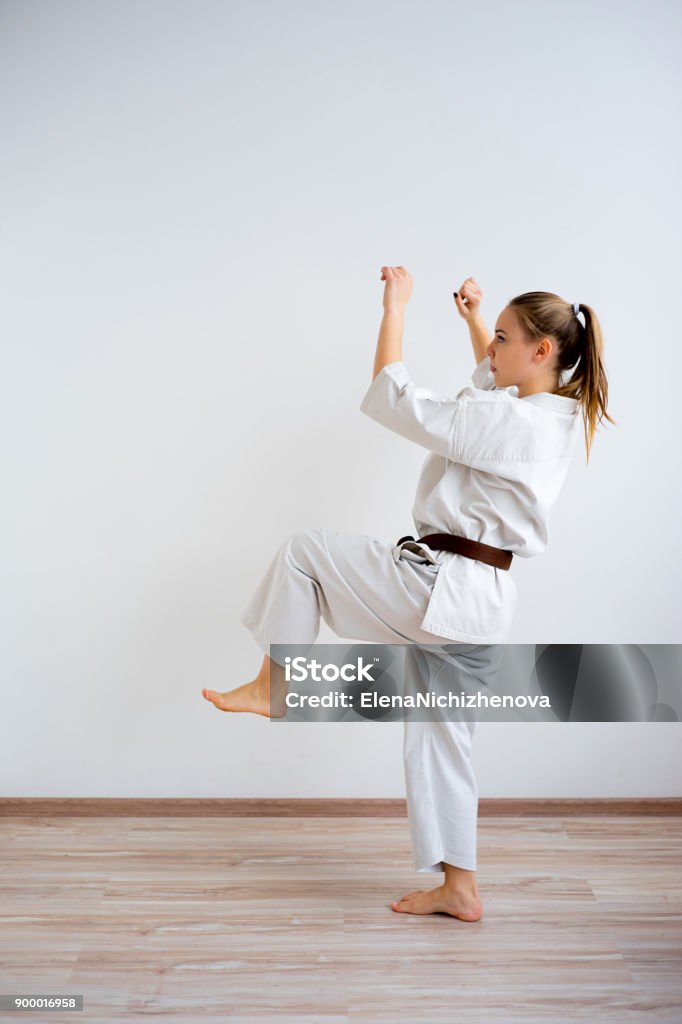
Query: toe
x=415 y=892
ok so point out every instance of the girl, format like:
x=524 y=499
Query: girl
x=499 y=452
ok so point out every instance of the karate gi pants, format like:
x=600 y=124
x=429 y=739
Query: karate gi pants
x=362 y=593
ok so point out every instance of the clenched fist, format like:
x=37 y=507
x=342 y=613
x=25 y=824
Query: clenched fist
x=398 y=287
x=470 y=292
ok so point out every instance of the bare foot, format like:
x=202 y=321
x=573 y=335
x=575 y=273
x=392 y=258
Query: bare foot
x=465 y=906
x=253 y=697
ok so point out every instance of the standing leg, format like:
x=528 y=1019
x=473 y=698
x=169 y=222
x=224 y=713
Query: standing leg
x=442 y=802
x=442 y=794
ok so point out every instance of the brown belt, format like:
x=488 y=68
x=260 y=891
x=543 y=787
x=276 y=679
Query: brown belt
x=498 y=557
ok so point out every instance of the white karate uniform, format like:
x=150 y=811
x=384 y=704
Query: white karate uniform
x=495 y=464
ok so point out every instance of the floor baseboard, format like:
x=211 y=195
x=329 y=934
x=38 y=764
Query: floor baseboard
x=228 y=807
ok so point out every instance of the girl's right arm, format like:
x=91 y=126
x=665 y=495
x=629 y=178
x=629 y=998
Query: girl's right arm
x=480 y=338
x=471 y=312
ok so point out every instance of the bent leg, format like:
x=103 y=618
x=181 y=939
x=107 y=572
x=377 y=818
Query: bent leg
x=350 y=580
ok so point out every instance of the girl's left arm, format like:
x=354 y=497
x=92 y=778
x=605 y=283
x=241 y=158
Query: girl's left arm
x=390 y=342
x=397 y=292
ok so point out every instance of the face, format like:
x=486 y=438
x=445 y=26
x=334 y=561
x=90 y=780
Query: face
x=513 y=359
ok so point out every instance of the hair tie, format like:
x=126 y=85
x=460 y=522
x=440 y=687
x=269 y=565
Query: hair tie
x=575 y=308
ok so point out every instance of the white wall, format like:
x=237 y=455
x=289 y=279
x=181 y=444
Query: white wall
x=196 y=202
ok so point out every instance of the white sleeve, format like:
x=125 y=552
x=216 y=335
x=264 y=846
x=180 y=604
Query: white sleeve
x=418 y=414
x=482 y=376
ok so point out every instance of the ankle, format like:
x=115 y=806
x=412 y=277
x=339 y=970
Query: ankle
x=461 y=889
x=459 y=881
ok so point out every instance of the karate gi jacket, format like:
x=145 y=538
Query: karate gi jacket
x=496 y=464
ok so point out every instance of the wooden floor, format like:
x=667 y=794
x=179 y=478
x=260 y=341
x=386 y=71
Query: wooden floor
x=288 y=920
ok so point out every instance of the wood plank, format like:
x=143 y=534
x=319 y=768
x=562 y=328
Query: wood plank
x=325 y=807
x=287 y=920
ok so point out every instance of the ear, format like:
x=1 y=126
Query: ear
x=545 y=347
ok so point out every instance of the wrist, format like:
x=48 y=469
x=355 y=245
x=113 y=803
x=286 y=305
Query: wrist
x=394 y=311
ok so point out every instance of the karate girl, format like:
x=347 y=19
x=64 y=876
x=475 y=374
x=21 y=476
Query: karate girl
x=499 y=451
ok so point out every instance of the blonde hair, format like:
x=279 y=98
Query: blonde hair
x=542 y=314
